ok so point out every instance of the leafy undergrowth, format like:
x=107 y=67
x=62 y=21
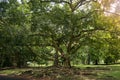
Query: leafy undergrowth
x=54 y=73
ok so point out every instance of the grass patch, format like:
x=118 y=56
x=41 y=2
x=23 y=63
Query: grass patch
x=115 y=72
x=12 y=71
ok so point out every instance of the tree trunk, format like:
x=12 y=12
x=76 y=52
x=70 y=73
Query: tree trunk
x=88 y=59
x=66 y=62
x=96 y=62
x=2 y=60
x=56 y=60
x=64 y=58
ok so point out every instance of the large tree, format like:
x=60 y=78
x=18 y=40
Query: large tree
x=66 y=25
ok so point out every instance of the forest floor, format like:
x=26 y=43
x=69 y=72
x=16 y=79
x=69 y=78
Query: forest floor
x=89 y=72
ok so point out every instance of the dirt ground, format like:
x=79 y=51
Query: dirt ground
x=58 y=73
x=54 y=73
x=12 y=78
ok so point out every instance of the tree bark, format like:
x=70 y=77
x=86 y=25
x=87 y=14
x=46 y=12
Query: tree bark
x=88 y=59
x=65 y=59
x=66 y=62
x=96 y=62
x=56 y=60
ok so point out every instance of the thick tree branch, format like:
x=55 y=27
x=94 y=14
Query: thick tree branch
x=78 y=4
x=59 y=1
x=88 y=14
x=30 y=44
x=75 y=48
x=83 y=31
x=37 y=55
x=41 y=34
x=56 y=45
x=112 y=13
x=40 y=45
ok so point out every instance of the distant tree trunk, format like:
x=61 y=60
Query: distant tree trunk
x=96 y=62
x=2 y=59
x=14 y=61
x=88 y=59
x=56 y=60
